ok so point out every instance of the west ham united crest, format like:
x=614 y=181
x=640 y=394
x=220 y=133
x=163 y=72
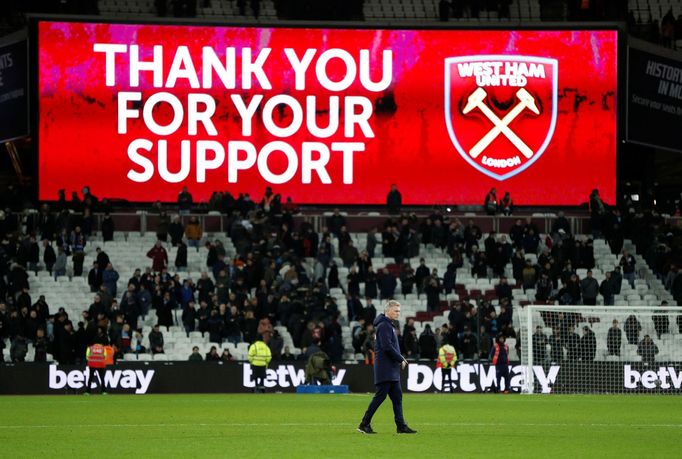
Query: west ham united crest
x=501 y=111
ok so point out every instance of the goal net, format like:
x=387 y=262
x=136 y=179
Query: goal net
x=607 y=349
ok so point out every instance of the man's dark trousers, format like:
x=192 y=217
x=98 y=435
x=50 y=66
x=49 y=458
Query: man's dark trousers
x=502 y=372
x=393 y=390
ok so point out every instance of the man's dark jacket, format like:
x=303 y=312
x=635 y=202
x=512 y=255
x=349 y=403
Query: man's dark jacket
x=387 y=357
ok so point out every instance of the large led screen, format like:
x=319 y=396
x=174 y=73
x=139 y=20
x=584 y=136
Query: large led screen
x=327 y=115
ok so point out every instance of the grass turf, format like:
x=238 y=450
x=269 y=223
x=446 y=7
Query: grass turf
x=290 y=425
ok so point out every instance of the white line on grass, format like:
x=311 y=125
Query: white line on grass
x=337 y=424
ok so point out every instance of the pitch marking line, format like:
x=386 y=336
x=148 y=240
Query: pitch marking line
x=339 y=424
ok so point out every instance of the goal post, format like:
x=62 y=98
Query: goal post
x=601 y=349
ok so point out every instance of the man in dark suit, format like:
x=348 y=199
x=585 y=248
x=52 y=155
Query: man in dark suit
x=387 y=365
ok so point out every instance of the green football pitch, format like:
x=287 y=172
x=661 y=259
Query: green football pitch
x=323 y=426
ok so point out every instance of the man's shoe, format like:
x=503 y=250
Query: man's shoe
x=366 y=429
x=406 y=430
x=105 y=393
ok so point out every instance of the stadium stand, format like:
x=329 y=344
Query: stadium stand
x=474 y=292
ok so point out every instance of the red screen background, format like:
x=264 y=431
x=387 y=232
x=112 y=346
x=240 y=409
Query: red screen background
x=79 y=144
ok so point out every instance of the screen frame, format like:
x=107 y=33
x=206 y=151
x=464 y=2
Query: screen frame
x=621 y=74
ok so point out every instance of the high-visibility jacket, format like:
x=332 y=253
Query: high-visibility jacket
x=447 y=357
x=500 y=354
x=259 y=354
x=96 y=356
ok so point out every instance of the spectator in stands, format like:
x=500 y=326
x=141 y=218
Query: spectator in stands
x=33 y=253
x=176 y=231
x=144 y=300
x=185 y=201
x=181 y=257
x=516 y=233
x=67 y=344
x=661 y=321
x=606 y=289
x=159 y=257
x=164 y=305
x=556 y=346
x=627 y=262
x=189 y=317
x=486 y=344
x=212 y=355
x=335 y=222
x=194 y=233
x=124 y=346
x=433 y=290
x=588 y=345
x=130 y=305
x=18 y=349
x=107 y=227
x=78 y=247
x=530 y=241
x=529 y=275
x=156 y=340
x=427 y=344
x=411 y=344
x=617 y=280
x=561 y=223
x=387 y=284
x=613 y=339
x=49 y=256
x=597 y=213
x=195 y=356
x=544 y=287
x=40 y=345
x=215 y=326
x=450 y=278
x=226 y=357
x=589 y=289
x=507 y=204
x=503 y=289
x=162 y=226
x=421 y=274
x=138 y=338
x=632 y=328
x=110 y=278
x=407 y=279
x=468 y=344
x=540 y=343
x=250 y=326
x=266 y=204
x=102 y=260
x=394 y=200
x=371 y=242
x=371 y=285
x=94 y=278
x=573 y=289
x=276 y=344
x=490 y=203
x=349 y=254
x=647 y=349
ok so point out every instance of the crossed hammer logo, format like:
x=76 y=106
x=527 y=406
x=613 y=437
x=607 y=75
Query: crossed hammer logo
x=501 y=126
